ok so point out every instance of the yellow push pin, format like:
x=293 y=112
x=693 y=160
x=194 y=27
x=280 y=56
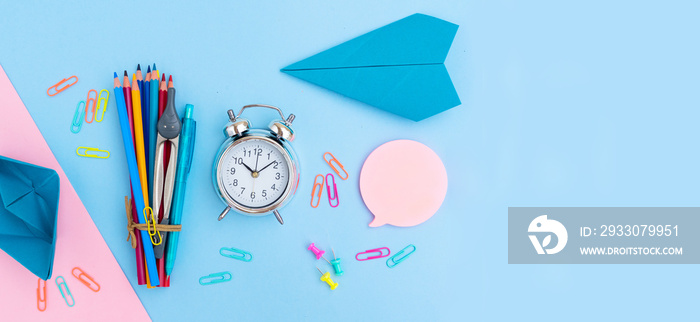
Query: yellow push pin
x=327 y=278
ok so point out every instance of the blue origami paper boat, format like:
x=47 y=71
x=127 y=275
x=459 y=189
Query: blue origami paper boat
x=28 y=213
x=398 y=68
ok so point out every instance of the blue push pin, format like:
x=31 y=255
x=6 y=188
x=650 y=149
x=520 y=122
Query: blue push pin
x=336 y=264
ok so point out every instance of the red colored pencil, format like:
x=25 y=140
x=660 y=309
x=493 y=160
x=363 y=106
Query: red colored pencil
x=162 y=95
x=162 y=101
x=129 y=106
x=166 y=150
x=140 y=259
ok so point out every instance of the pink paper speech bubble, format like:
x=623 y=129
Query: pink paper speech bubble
x=403 y=183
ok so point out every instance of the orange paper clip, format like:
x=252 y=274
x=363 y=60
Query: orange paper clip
x=86 y=279
x=320 y=190
x=92 y=101
x=330 y=163
x=58 y=90
x=39 y=299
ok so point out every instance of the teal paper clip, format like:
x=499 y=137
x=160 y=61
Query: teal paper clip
x=72 y=300
x=236 y=253
x=398 y=258
x=78 y=118
x=215 y=278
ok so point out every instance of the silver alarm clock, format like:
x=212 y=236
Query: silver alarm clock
x=256 y=171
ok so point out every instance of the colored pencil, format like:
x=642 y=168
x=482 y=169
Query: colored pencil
x=163 y=93
x=140 y=149
x=153 y=115
x=139 y=79
x=140 y=259
x=162 y=102
x=166 y=148
x=134 y=178
x=165 y=280
x=139 y=142
x=127 y=102
x=145 y=107
x=153 y=118
x=140 y=273
x=140 y=152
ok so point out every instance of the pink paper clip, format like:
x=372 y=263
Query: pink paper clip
x=316 y=251
x=371 y=251
x=333 y=196
x=94 y=106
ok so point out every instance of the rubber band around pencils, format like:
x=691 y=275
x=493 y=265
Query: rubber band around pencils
x=131 y=225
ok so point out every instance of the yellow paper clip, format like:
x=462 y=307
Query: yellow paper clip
x=91 y=155
x=93 y=101
x=152 y=229
x=320 y=190
x=58 y=90
x=330 y=163
x=86 y=279
x=41 y=299
x=102 y=104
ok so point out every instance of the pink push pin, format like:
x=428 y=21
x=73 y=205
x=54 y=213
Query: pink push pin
x=319 y=253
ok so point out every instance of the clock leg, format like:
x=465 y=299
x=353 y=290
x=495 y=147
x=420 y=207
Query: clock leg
x=279 y=217
x=223 y=213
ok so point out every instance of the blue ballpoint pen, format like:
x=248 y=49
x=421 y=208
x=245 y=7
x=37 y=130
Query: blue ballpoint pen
x=187 y=136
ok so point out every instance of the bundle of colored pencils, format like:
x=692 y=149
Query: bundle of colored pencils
x=140 y=103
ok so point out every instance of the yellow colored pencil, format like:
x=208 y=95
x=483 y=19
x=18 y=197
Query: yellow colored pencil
x=138 y=133
x=140 y=154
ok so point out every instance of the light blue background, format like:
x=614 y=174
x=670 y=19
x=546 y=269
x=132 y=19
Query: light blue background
x=564 y=104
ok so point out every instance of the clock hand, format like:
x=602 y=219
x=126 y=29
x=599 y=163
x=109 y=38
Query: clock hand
x=256 y=161
x=247 y=167
x=265 y=167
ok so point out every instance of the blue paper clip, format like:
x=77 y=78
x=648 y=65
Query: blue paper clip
x=397 y=258
x=334 y=195
x=215 y=278
x=78 y=118
x=236 y=253
x=72 y=300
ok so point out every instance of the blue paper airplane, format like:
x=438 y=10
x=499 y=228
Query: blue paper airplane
x=28 y=214
x=398 y=68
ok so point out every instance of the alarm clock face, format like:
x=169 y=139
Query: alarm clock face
x=254 y=173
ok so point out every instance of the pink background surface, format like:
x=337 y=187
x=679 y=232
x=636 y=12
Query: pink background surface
x=79 y=243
